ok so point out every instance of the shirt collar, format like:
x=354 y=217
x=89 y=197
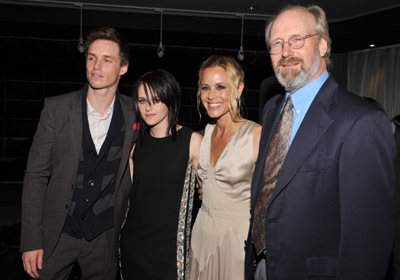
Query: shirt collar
x=303 y=97
x=92 y=111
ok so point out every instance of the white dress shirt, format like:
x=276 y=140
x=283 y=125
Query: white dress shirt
x=99 y=124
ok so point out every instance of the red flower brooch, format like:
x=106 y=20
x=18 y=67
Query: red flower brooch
x=136 y=126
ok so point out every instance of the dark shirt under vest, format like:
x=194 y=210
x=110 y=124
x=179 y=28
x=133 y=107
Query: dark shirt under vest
x=92 y=207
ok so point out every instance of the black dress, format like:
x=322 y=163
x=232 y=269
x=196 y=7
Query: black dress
x=149 y=237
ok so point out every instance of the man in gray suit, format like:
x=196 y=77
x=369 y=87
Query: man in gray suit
x=77 y=179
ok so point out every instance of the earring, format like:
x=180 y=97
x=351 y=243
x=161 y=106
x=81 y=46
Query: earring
x=238 y=103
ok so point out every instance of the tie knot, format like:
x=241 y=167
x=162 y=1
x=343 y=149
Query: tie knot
x=288 y=105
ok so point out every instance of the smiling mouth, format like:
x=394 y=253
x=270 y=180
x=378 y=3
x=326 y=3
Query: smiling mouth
x=213 y=105
x=289 y=62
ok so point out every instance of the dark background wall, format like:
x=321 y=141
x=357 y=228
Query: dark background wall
x=40 y=59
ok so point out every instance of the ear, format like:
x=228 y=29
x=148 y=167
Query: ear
x=323 y=46
x=124 y=69
x=240 y=89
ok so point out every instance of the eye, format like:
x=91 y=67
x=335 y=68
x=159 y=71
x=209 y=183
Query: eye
x=221 y=87
x=156 y=100
x=205 y=88
x=276 y=44
x=296 y=41
x=142 y=101
x=90 y=58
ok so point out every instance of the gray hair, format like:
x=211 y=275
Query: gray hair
x=321 y=26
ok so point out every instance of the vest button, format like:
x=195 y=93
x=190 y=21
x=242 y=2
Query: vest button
x=91 y=183
x=83 y=217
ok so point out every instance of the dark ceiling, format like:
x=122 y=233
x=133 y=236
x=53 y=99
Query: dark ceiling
x=354 y=24
x=337 y=10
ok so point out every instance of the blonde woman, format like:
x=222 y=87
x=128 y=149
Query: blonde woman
x=226 y=163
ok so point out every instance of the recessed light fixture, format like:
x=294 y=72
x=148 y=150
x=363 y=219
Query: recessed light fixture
x=372 y=45
x=252 y=8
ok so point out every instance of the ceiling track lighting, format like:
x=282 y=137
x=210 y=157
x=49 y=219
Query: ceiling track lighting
x=81 y=44
x=160 y=50
x=241 y=52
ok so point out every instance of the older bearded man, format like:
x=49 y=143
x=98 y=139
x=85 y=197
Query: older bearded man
x=322 y=189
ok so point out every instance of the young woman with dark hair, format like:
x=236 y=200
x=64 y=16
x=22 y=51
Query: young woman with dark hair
x=155 y=236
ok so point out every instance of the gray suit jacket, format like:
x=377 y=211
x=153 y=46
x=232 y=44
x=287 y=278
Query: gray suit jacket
x=52 y=168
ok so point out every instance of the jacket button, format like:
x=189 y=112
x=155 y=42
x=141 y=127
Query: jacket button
x=66 y=206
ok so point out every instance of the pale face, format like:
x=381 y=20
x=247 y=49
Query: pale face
x=295 y=68
x=103 y=65
x=215 y=92
x=153 y=112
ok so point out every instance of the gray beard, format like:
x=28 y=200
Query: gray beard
x=300 y=79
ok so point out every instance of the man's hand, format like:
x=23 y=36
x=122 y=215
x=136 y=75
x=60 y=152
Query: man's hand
x=33 y=260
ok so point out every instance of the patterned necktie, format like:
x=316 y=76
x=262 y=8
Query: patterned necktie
x=277 y=151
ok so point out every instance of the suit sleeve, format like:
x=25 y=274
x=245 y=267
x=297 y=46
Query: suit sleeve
x=36 y=180
x=366 y=188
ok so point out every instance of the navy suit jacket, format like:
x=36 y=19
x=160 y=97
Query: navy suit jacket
x=331 y=215
x=395 y=264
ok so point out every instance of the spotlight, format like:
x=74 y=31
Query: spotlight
x=160 y=50
x=241 y=53
x=81 y=45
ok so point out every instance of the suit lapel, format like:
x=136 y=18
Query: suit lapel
x=75 y=116
x=270 y=120
x=314 y=125
x=129 y=116
x=397 y=136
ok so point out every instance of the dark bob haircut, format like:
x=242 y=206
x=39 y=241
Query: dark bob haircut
x=162 y=85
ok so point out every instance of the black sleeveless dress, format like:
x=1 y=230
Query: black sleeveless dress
x=149 y=236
